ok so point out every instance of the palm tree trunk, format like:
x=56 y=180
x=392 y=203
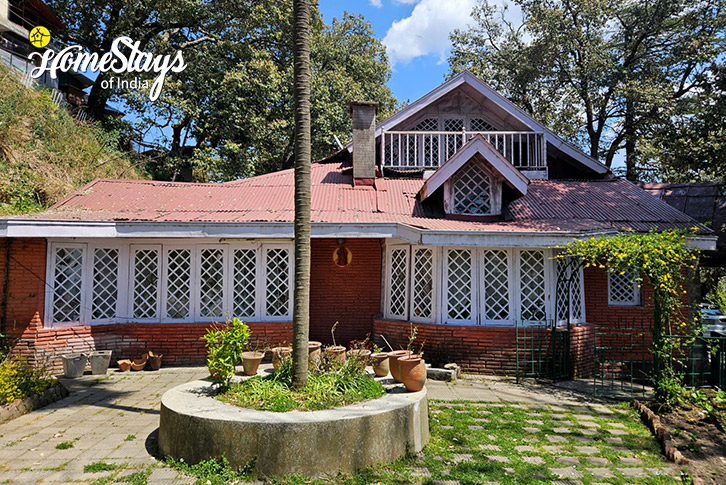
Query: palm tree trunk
x=301 y=304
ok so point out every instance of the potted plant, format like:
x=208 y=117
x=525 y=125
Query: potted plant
x=335 y=353
x=225 y=344
x=413 y=372
x=379 y=362
x=155 y=360
x=99 y=361
x=314 y=352
x=279 y=355
x=359 y=353
x=251 y=361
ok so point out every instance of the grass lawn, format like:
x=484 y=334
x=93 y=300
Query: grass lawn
x=479 y=443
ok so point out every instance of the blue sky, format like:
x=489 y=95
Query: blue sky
x=415 y=33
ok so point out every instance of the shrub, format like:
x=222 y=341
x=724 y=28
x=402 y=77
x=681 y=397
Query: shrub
x=225 y=344
x=19 y=379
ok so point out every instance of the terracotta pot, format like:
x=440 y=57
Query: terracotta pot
x=379 y=361
x=124 y=365
x=393 y=363
x=314 y=352
x=251 y=362
x=359 y=355
x=139 y=364
x=413 y=372
x=155 y=360
x=280 y=354
x=335 y=353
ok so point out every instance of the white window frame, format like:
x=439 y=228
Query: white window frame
x=389 y=251
x=510 y=289
x=196 y=289
x=50 y=280
x=259 y=281
x=434 y=284
x=133 y=248
x=474 y=287
x=165 y=282
x=548 y=276
x=121 y=281
x=262 y=297
x=637 y=293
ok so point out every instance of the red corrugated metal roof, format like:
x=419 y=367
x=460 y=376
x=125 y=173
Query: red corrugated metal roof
x=549 y=206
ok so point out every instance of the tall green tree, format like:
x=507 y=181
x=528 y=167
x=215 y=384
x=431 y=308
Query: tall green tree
x=604 y=74
x=302 y=85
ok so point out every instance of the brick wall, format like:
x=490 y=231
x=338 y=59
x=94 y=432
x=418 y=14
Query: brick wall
x=26 y=289
x=350 y=295
x=597 y=309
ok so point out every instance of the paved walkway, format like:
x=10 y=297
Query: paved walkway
x=106 y=428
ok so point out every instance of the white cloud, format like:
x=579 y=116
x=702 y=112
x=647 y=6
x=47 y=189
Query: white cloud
x=377 y=3
x=426 y=30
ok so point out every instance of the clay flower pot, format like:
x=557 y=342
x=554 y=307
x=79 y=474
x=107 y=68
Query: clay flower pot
x=335 y=353
x=124 y=365
x=413 y=372
x=155 y=360
x=394 y=365
x=379 y=361
x=251 y=361
x=314 y=352
x=139 y=364
x=360 y=356
x=280 y=354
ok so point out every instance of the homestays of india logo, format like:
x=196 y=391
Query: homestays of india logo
x=125 y=56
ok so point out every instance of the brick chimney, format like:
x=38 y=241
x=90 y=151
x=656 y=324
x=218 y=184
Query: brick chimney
x=364 y=142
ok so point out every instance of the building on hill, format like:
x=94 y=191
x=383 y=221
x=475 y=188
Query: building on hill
x=447 y=215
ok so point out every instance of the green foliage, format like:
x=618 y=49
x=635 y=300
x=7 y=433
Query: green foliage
x=214 y=472
x=609 y=75
x=64 y=445
x=19 y=379
x=45 y=153
x=99 y=466
x=330 y=387
x=225 y=344
x=712 y=403
x=662 y=258
x=719 y=295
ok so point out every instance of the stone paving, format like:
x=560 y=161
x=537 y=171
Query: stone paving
x=559 y=436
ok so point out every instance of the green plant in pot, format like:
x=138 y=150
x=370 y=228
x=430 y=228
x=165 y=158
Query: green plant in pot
x=225 y=344
x=379 y=362
x=335 y=353
x=412 y=367
x=359 y=353
x=251 y=360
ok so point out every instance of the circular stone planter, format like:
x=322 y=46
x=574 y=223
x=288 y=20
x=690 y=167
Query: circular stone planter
x=195 y=426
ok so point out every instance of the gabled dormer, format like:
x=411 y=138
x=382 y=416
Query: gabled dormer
x=473 y=182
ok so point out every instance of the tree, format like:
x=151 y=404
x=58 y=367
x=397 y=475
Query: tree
x=604 y=74
x=301 y=303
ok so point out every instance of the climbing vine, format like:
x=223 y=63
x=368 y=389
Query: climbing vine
x=660 y=258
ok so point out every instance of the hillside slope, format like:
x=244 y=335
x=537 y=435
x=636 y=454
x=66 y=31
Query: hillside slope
x=45 y=154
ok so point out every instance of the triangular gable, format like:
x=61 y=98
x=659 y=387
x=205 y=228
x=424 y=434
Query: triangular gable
x=477 y=145
x=466 y=77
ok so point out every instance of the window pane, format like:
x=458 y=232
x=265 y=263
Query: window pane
x=105 y=283
x=532 y=285
x=472 y=191
x=458 y=284
x=67 y=285
x=211 y=284
x=496 y=285
x=479 y=124
x=430 y=142
x=245 y=264
x=146 y=281
x=622 y=289
x=277 y=283
x=423 y=266
x=178 y=283
x=398 y=292
x=453 y=141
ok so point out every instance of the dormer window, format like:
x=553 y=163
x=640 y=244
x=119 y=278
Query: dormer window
x=472 y=191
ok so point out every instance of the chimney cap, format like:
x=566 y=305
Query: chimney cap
x=363 y=103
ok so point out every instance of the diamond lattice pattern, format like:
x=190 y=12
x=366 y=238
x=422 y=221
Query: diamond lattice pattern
x=398 y=291
x=105 y=283
x=67 y=285
x=146 y=281
x=472 y=190
x=245 y=264
x=458 y=284
x=622 y=288
x=562 y=284
x=178 y=283
x=430 y=142
x=422 y=283
x=496 y=285
x=277 y=282
x=453 y=142
x=532 y=285
x=576 y=303
x=211 y=284
x=478 y=124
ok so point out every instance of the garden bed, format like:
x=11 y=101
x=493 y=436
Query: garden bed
x=27 y=404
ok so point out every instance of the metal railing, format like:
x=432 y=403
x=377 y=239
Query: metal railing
x=420 y=150
x=700 y=360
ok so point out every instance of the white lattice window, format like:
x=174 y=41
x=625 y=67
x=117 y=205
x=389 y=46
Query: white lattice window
x=471 y=190
x=495 y=276
x=532 y=286
x=623 y=289
x=146 y=271
x=105 y=283
x=569 y=277
x=277 y=282
x=244 y=302
x=67 y=277
x=178 y=283
x=480 y=124
x=398 y=279
x=211 y=282
x=422 y=284
x=453 y=141
x=459 y=287
x=430 y=146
